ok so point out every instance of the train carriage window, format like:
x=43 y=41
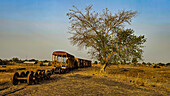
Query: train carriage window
x=61 y=59
x=58 y=59
x=64 y=59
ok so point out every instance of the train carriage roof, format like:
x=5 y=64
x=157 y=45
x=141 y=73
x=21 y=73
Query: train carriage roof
x=83 y=59
x=62 y=53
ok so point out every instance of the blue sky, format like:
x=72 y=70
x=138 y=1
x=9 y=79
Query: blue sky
x=35 y=28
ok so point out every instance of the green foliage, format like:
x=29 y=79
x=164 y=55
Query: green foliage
x=15 y=59
x=2 y=62
x=105 y=35
x=95 y=62
x=134 y=61
x=45 y=61
x=167 y=64
x=32 y=60
x=161 y=64
x=149 y=63
x=143 y=63
x=36 y=61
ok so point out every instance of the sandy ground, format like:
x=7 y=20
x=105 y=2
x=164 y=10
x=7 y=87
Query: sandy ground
x=80 y=82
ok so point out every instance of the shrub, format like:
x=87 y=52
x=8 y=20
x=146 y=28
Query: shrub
x=167 y=64
x=161 y=64
x=95 y=62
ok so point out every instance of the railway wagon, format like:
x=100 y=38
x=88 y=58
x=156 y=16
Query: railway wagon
x=63 y=61
x=83 y=63
x=88 y=63
x=80 y=62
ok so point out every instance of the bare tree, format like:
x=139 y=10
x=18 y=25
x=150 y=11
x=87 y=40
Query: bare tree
x=104 y=35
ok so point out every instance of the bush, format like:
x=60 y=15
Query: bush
x=95 y=62
x=4 y=62
x=161 y=64
x=149 y=63
x=134 y=61
x=167 y=64
x=15 y=59
x=143 y=63
x=0 y=62
x=45 y=61
x=156 y=66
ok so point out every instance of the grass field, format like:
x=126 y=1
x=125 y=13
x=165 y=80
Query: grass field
x=145 y=77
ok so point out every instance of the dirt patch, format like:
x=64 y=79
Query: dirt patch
x=80 y=76
x=75 y=85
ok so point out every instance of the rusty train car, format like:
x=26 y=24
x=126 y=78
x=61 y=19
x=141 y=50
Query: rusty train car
x=83 y=63
x=63 y=62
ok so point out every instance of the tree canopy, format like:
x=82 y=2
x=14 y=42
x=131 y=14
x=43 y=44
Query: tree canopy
x=105 y=35
x=134 y=61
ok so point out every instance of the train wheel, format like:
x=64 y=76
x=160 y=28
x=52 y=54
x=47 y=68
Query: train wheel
x=43 y=75
x=67 y=70
x=22 y=74
x=39 y=76
x=56 y=70
x=30 y=79
x=62 y=71
x=15 y=78
x=48 y=74
x=36 y=77
x=59 y=71
x=52 y=71
x=27 y=73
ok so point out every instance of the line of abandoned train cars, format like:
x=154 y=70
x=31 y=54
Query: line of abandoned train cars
x=62 y=62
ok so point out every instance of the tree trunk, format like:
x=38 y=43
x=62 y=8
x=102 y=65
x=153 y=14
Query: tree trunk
x=102 y=69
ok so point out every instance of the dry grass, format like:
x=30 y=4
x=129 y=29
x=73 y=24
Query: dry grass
x=141 y=76
x=131 y=80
